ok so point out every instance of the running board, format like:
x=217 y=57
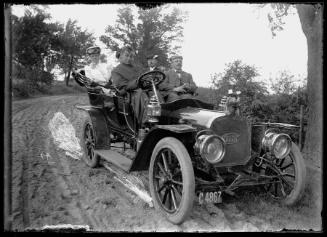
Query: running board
x=115 y=158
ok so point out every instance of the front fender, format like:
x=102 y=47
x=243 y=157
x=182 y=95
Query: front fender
x=183 y=132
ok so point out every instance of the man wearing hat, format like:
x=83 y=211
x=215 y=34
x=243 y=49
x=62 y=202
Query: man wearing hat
x=153 y=62
x=178 y=83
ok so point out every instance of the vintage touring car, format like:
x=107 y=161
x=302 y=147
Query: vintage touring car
x=189 y=149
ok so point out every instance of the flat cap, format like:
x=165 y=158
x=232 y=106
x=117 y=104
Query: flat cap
x=175 y=56
x=93 y=50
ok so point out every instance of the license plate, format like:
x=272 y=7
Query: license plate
x=210 y=197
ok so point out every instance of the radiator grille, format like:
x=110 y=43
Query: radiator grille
x=238 y=144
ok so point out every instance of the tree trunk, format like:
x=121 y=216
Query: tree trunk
x=67 y=78
x=311 y=21
x=69 y=70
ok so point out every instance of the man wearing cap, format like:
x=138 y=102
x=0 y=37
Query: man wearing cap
x=153 y=62
x=178 y=83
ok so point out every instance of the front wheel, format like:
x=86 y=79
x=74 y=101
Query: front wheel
x=172 y=183
x=290 y=172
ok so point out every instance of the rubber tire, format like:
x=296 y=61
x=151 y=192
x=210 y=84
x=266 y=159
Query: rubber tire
x=188 y=179
x=300 y=177
x=94 y=162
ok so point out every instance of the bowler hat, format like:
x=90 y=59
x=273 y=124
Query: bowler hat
x=93 y=50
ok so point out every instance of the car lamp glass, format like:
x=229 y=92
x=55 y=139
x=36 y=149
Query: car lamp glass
x=279 y=144
x=211 y=148
x=154 y=110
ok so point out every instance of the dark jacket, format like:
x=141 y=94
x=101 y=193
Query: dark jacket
x=124 y=76
x=173 y=80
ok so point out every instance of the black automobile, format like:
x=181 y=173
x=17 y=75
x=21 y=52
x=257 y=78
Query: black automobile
x=191 y=150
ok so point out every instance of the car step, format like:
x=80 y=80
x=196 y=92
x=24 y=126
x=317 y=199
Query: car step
x=115 y=158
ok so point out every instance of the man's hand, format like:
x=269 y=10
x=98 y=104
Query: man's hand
x=186 y=87
x=95 y=85
x=179 y=89
x=108 y=92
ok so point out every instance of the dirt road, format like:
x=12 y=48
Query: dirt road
x=50 y=188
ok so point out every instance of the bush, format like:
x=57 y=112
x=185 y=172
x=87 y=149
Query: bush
x=22 y=88
x=59 y=88
x=20 y=91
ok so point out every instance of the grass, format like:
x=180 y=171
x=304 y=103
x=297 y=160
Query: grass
x=57 y=88
x=303 y=216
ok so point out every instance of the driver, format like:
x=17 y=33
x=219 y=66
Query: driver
x=178 y=84
x=124 y=77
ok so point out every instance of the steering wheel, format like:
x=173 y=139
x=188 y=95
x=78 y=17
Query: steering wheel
x=145 y=80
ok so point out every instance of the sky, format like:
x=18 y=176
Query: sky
x=215 y=34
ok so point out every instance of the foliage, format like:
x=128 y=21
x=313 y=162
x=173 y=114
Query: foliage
x=39 y=45
x=239 y=76
x=206 y=94
x=73 y=43
x=275 y=17
x=155 y=32
x=311 y=19
x=283 y=106
x=32 y=41
x=283 y=84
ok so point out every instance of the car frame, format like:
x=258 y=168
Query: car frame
x=189 y=149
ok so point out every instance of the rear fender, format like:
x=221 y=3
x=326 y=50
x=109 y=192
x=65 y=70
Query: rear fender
x=100 y=126
x=185 y=133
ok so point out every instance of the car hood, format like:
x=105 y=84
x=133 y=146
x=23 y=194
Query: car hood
x=198 y=117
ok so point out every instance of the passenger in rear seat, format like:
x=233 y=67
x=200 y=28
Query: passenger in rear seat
x=99 y=73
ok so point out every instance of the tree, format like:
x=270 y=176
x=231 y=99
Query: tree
x=311 y=21
x=32 y=43
x=73 y=43
x=283 y=84
x=239 y=76
x=155 y=33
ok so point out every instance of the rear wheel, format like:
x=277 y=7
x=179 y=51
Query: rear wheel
x=290 y=172
x=90 y=158
x=171 y=176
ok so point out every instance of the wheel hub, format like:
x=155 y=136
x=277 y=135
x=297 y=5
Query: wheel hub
x=167 y=179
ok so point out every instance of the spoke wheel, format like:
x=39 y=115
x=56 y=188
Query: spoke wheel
x=171 y=178
x=90 y=158
x=290 y=172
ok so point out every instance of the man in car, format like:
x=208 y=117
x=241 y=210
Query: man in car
x=153 y=63
x=124 y=77
x=178 y=83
